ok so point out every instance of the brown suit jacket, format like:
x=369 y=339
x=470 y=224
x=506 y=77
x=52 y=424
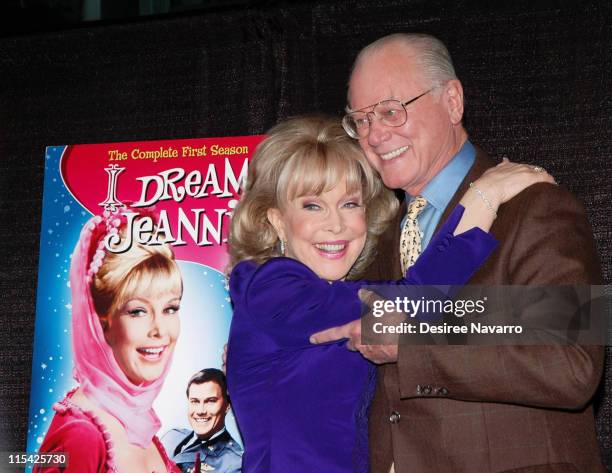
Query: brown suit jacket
x=505 y=408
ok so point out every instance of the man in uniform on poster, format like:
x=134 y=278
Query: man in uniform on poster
x=209 y=444
x=466 y=409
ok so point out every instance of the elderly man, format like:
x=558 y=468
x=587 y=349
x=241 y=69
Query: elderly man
x=466 y=409
x=209 y=446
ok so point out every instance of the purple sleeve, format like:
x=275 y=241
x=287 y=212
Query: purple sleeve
x=289 y=302
x=450 y=259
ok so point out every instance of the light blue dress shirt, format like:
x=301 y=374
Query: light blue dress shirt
x=440 y=190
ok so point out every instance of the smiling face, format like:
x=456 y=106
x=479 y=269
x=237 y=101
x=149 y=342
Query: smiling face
x=142 y=333
x=409 y=156
x=326 y=232
x=207 y=408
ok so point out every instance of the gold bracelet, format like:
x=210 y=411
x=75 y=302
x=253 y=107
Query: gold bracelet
x=483 y=197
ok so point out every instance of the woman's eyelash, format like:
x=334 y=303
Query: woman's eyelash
x=314 y=206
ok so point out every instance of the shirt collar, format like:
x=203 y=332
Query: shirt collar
x=191 y=440
x=218 y=434
x=194 y=440
x=440 y=190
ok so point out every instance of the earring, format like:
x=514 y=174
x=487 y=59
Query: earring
x=282 y=247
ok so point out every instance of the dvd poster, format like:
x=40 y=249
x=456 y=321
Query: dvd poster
x=180 y=192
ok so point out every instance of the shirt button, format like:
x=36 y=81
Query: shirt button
x=394 y=418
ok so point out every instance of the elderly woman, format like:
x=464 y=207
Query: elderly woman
x=308 y=221
x=125 y=325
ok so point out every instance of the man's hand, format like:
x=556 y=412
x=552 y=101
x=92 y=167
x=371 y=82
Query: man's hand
x=378 y=354
x=350 y=331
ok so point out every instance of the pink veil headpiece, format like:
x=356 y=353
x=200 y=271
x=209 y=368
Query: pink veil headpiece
x=95 y=367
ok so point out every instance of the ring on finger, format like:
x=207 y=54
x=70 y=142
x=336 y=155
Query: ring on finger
x=538 y=169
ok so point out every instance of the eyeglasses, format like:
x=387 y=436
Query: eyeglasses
x=390 y=112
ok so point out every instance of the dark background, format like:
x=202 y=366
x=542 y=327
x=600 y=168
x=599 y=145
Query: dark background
x=536 y=74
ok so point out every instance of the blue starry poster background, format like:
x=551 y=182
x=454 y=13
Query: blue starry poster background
x=205 y=317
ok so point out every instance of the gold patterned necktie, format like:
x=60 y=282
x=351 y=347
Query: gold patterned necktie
x=410 y=240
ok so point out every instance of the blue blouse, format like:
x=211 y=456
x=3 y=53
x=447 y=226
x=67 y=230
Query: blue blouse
x=303 y=407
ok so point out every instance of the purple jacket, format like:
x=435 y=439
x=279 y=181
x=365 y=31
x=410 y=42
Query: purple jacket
x=303 y=407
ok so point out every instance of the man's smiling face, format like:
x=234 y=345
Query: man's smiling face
x=408 y=156
x=207 y=409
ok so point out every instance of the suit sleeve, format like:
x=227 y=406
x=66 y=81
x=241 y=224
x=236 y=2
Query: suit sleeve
x=545 y=238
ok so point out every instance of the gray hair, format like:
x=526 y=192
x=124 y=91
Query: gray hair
x=432 y=56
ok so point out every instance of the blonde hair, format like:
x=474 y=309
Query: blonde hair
x=305 y=155
x=140 y=270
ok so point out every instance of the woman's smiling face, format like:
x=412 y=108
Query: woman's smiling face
x=142 y=333
x=326 y=232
